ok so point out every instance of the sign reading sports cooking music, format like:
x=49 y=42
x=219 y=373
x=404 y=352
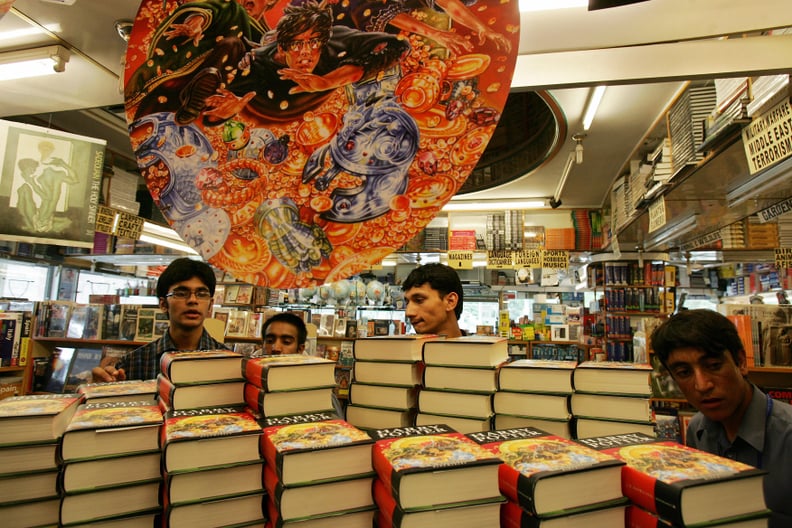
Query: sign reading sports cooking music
x=293 y=143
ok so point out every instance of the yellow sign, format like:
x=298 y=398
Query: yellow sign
x=105 y=220
x=499 y=260
x=460 y=259
x=555 y=259
x=768 y=139
x=528 y=258
x=783 y=258
x=129 y=226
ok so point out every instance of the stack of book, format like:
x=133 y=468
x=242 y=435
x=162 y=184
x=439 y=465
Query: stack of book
x=119 y=391
x=553 y=481
x=535 y=393
x=615 y=400
x=460 y=380
x=430 y=476
x=387 y=374
x=318 y=472
x=111 y=462
x=200 y=378
x=212 y=468
x=31 y=428
x=288 y=384
x=670 y=484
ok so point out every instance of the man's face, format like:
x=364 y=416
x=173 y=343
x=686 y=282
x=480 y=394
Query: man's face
x=191 y=311
x=714 y=385
x=281 y=338
x=255 y=8
x=303 y=52
x=426 y=310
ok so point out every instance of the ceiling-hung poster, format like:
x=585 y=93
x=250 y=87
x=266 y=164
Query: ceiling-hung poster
x=297 y=143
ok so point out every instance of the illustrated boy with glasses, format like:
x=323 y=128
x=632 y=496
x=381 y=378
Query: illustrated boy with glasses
x=185 y=290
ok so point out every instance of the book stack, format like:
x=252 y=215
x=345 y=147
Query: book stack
x=671 y=484
x=553 y=481
x=535 y=393
x=318 y=472
x=288 y=384
x=430 y=476
x=31 y=427
x=111 y=462
x=460 y=380
x=200 y=378
x=611 y=398
x=212 y=468
x=386 y=378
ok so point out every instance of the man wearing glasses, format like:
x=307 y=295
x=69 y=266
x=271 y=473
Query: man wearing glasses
x=185 y=290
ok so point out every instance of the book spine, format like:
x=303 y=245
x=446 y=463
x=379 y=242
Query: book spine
x=636 y=517
x=512 y=516
x=387 y=505
x=517 y=487
x=254 y=397
x=256 y=373
x=383 y=468
x=166 y=391
x=651 y=494
x=272 y=485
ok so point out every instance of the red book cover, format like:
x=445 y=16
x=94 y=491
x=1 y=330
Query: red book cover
x=539 y=464
x=289 y=371
x=432 y=465
x=682 y=484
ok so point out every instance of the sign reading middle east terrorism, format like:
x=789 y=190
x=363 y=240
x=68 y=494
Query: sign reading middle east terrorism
x=296 y=143
x=768 y=139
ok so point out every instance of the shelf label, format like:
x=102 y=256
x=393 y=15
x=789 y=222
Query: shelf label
x=129 y=226
x=768 y=139
x=105 y=220
x=528 y=258
x=500 y=259
x=555 y=259
x=460 y=259
x=657 y=214
x=703 y=240
x=774 y=211
x=783 y=258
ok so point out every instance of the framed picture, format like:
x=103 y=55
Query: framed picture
x=237 y=323
x=559 y=333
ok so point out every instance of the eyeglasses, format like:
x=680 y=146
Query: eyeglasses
x=299 y=45
x=184 y=293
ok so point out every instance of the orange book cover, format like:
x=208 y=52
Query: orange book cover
x=743 y=324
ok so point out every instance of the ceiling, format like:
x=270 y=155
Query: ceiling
x=645 y=53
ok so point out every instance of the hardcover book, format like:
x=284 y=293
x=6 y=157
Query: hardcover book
x=462 y=424
x=83 y=361
x=200 y=395
x=512 y=516
x=613 y=377
x=302 y=401
x=483 y=380
x=632 y=408
x=405 y=348
x=101 y=473
x=212 y=484
x=681 y=484
x=112 y=429
x=588 y=427
x=311 y=452
x=289 y=371
x=28 y=458
x=540 y=405
x=467 y=351
x=35 y=418
x=201 y=366
x=427 y=466
x=31 y=513
x=28 y=486
x=207 y=438
x=378 y=418
x=399 y=398
x=552 y=426
x=245 y=510
x=637 y=517
x=468 y=404
x=356 y=519
x=384 y=373
x=10 y=338
x=550 y=475
x=118 y=391
x=537 y=375
x=105 y=504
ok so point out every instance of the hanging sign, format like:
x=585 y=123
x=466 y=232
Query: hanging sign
x=528 y=258
x=555 y=259
x=296 y=143
x=783 y=258
x=460 y=259
x=774 y=211
x=499 y=259
x=657 y=214
x=768 y=139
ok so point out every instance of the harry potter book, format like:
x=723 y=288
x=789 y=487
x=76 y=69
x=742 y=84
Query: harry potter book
x=405 y=348
x=201 y=366
x=244 y=510
x=101 y=473
x=681 y=484
x=35 y=418
x=611 y=516
x=289 y=371
x=356 y=519
x=112 y=429
x=28 y=486
x=27 y=458
x=31 y=513
x=537 y=375
x=105 y=504
x=288 y=402
x=613 y=377
x=550 y=475
x=317 y=451
x=186 y=487
x=434 y=465
x=199 y=395
x=207 y=438
x=467 y=351
x=119 y=391
x=637 y=517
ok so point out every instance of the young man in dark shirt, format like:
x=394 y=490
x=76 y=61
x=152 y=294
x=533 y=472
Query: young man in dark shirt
x=433 y=293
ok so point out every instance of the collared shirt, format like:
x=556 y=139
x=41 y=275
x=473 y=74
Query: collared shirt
x=762 y=441
x=144 y=362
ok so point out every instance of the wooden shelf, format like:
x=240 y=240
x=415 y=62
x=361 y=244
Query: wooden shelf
x=66 y=341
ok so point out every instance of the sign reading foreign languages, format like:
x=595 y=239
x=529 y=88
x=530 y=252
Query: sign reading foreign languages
x=555 y=259
x=499 y=259
x=528 y=258
x=768 y=139
x=783 y=258
x=460 y=259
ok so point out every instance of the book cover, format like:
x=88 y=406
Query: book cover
x=36 y=417
x=144 y=327
x=550 y=475
x=281 y=403
x=82 y=363
x=111 y=322
x=126 y=390
x=60 y=363
x=682 y=484
x=112 y=429
x=471 y=351
x=57 y=321
x=346 y=354
x=128 y=323
x=199 y=366
x=212 y=437
x=77 y=321
x=289 y=371
x=432 y=465
x=537 y=375
x=236 y=326
x=343 y=378
x=199 y=395
x=10 y=338
x=318 y=451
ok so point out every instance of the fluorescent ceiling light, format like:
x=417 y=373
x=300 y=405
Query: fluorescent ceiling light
x=757 y=185
x=165 y=237
x=499 y=205
x=550 y=5
x=29 y=31
x=672 y=233
x=593 y=105
x=34 y=62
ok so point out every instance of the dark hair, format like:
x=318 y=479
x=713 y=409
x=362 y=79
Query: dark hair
x=184 y=269
x=705 y=330
x=298 y=19
x=288 y=318
x=439 y=277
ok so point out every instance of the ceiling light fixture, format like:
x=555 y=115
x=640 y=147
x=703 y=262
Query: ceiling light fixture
x=555 y=201
x=598 y=92
x=579 y=147
x=672 y=233
x=495 y=205
x=33 y=62
x=14 y=34
x=757 y=185
x=165 y=237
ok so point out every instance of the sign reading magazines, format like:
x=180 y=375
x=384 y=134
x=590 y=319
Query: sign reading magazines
x=49 y=185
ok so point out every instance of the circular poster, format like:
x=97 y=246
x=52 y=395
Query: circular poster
x=297 y=143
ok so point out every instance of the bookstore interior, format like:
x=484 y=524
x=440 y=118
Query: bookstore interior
x=573 y=243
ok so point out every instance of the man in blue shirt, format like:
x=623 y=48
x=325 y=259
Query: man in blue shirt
x=185 y=290
x=704 y=353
